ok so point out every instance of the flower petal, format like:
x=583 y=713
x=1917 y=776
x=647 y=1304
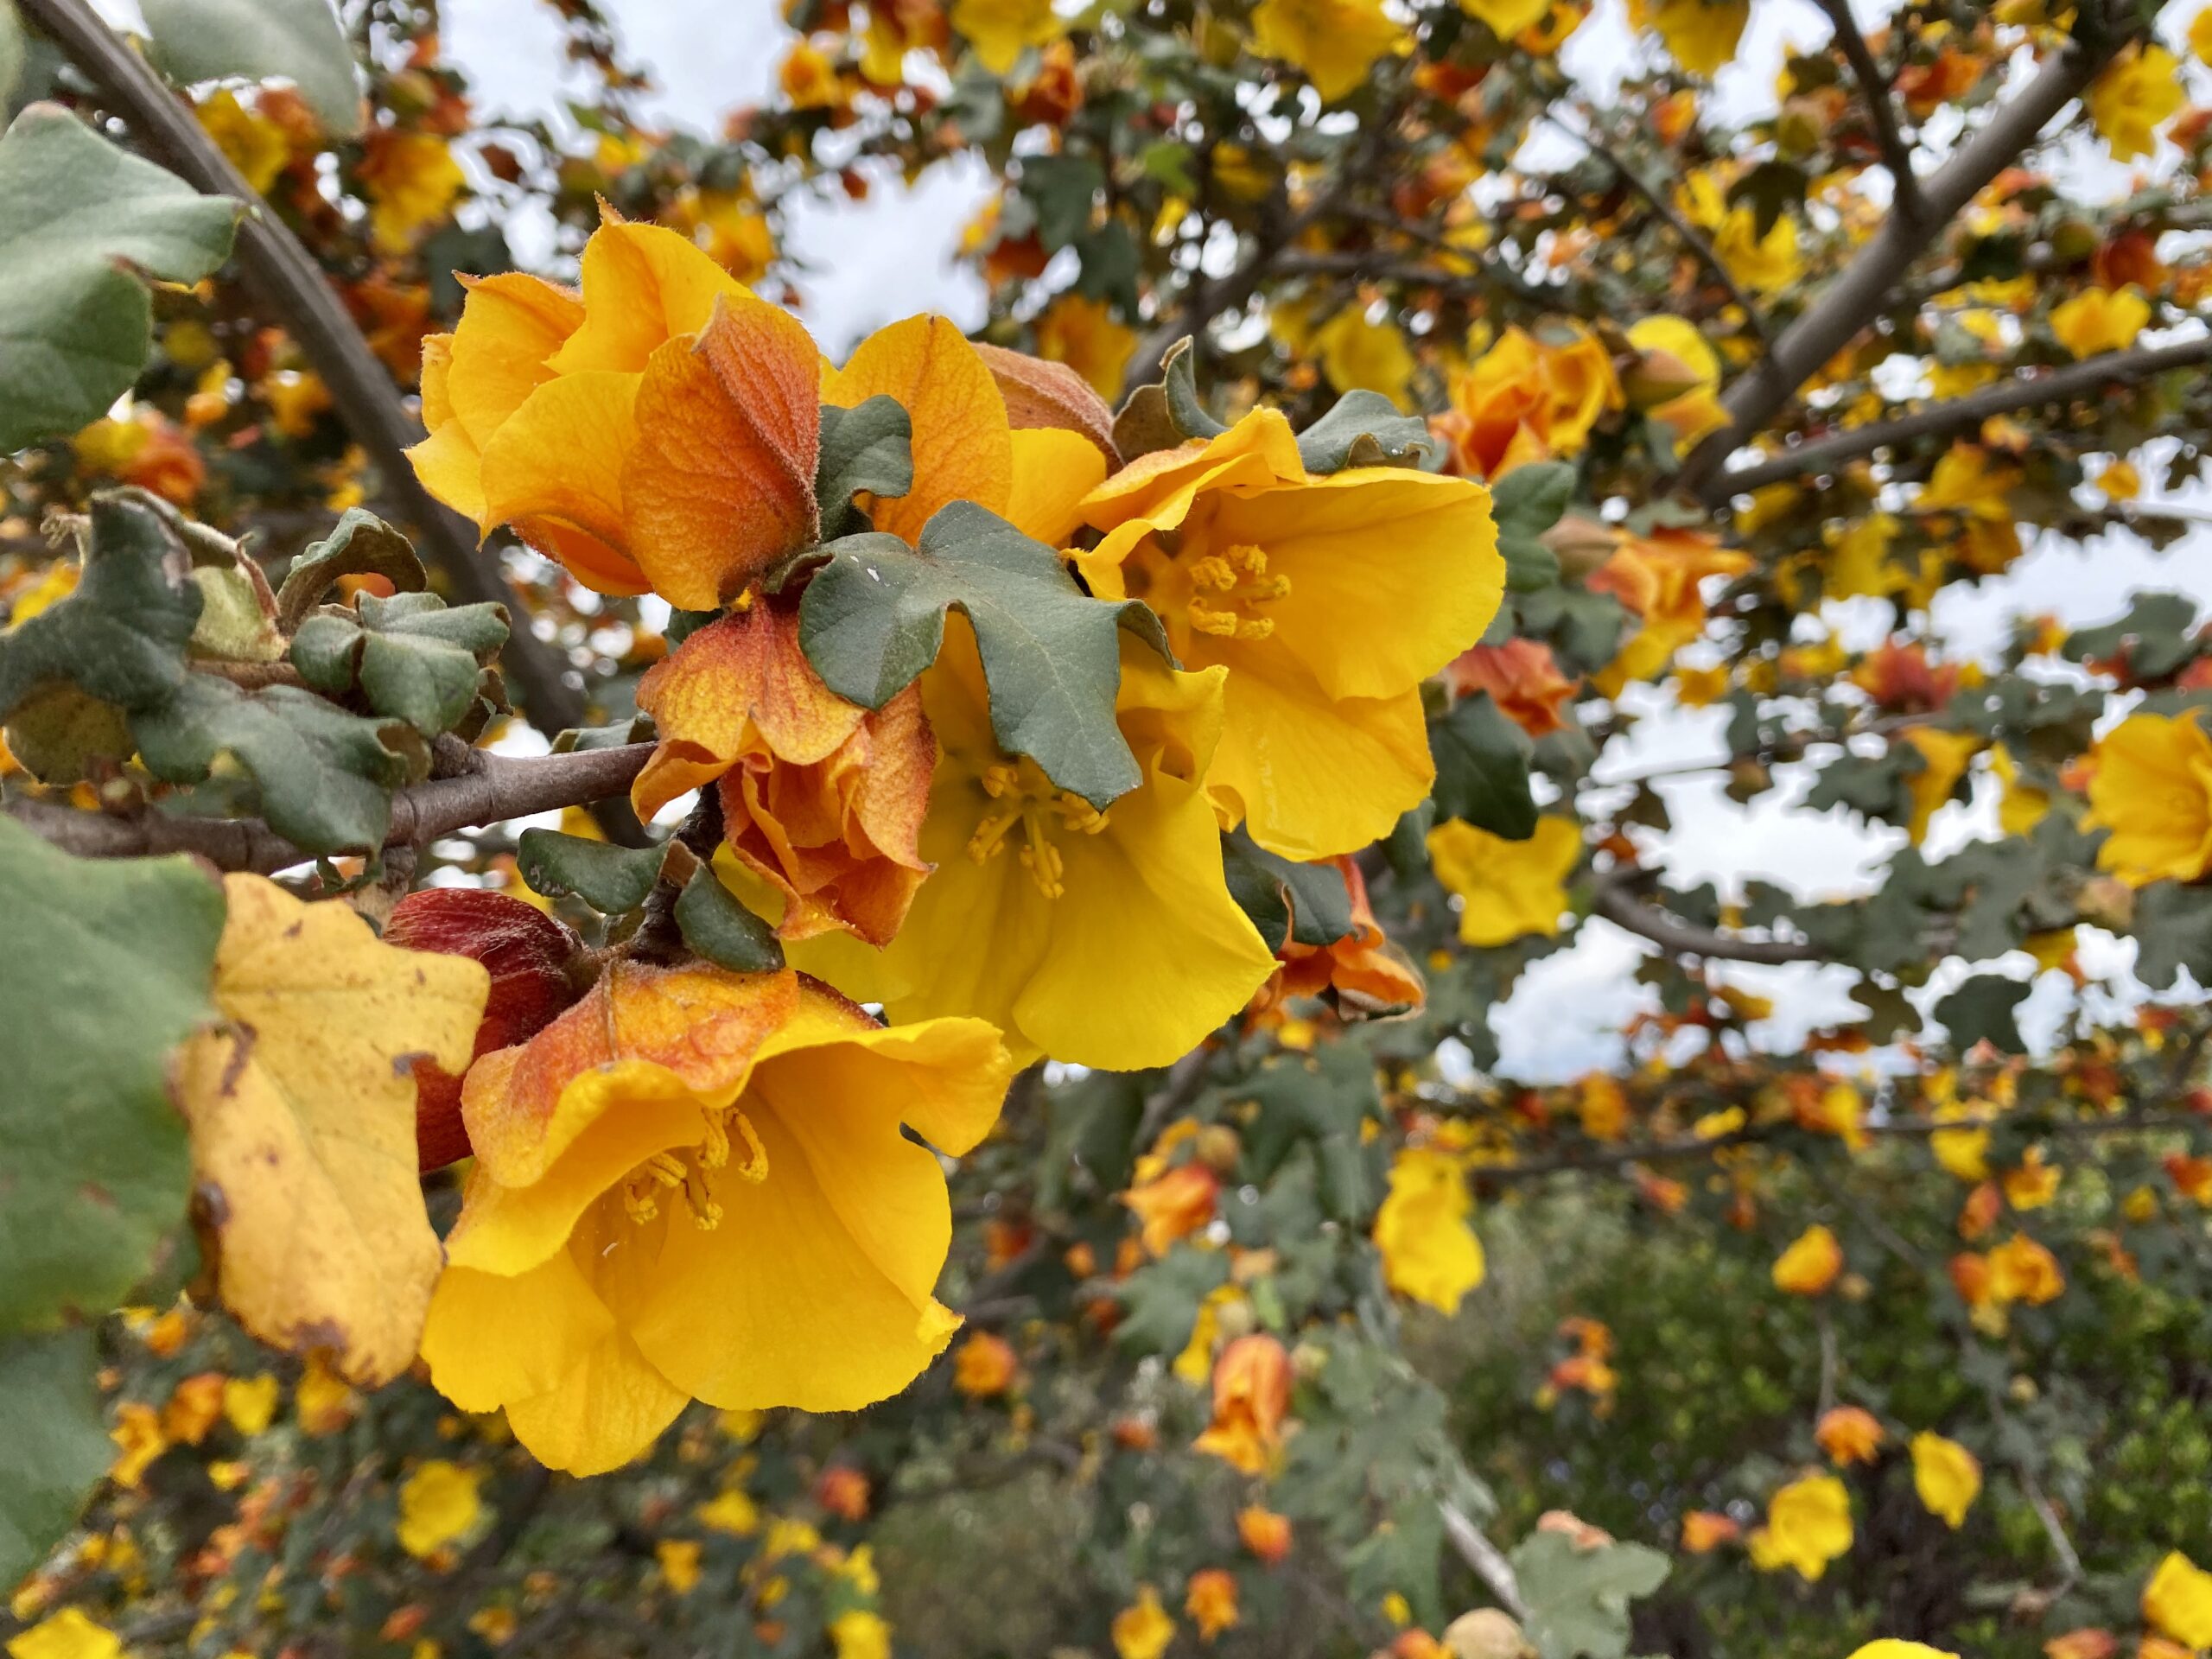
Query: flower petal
x=492 y=1339
x=1310 y=774
x=558 y=460
x=1053 y=470
x=962 y=448
x=510 y=325
x=643 y=285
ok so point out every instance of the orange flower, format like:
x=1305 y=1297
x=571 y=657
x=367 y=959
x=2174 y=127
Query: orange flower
x=821 y=799
x=1211 y=1601
x=983 y=1366
x=1363 y=968
x=1263 y=1532
x=1971 y=1278
x=1661 y=577
x=2090 y=1642
x=1706 y=1530
x=1528 y=399
x=1173 y=1204
x=2023 y=1270
x=1251 y=1397
x=1522 y=678
x=1848 y=1435
x=1811 y=1264
x=843 y=1490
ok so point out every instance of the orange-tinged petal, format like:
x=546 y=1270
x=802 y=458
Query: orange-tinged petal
x=557 y=462
x=1039 y=393
x=510 y=325
x=963 y=447
x=437 y=373
x=720 y=482
x=643 y=285
x=1259 y=450
x=1053 y=470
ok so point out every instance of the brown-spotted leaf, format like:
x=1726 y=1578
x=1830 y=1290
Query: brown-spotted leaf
x=302 y=1108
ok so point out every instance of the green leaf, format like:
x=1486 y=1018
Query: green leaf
x=121 y=636
x=1983 y=1009
x=1772 y=187
x=1161 y=1300
x=718 y=926
x=1583 y=628
x=1482 y=768
x=1578 y=1600
x=232 y=627
x=868 y=447
x=2173 y=931
x=299 y=41
x=80 y=220
x=1064 y=189
x=57 y=732
x=108 y=967
x=1287 y=901
x=1527 y=502
x=1178 y=379
x=13 y=52
x=325 y=777
x=57 y=1449
x=1364 y=429
x=413 y=657
x=611 y=880
x=872 y=618
x=359 y=544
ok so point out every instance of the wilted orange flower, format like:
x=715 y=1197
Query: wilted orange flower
x=843 y=1490
x=1263 y=1532
x=1661 y=577
x=1528 y=398
x=1902 y=681
x=1362 y=969
x=1522 y=678
x=1251 y=1397
x=1173 y=1204
x=1848 y=1435
x=2023 y=1270
x=821 y=799
x=1706 y=1530
x=983 y=1366
x=1211 y=1601
x=2192 y=1177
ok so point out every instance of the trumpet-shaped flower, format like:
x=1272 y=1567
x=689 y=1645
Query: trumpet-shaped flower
x=2153 y=790
x=1103 y=937
x=1251 y=1397
x=696 y=1184
x=821 y=799
x=1328 y=600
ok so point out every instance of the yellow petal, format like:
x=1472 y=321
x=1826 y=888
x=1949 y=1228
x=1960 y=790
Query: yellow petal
x=558 y=458
x=1311 y=775
x=490 y=1338
x=1053 y=470
x=643 y=285
x=962 y=445
x=510 y=326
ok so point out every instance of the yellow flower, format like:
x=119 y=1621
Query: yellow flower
x=439 y=1505
x=679 y=1563
x=1039 y=902
x=984 y=1366
x=411 y=180
x=1765 y=264
x=1509 y=889
x=859 y=1634
x=1506 y=18
x=1889 y=1647
x=1083 y=334
x=2152 y=790
x=1251 y=1397
x=1701 y=34
x=2021 y=806
x=2097 y=320
x=253 y=144
x=809 y=78
x=1527 y=398
x=1947 y=1476
x=1944 y=757
x=2024 y=1270
x=1661 y=577
x=1810 y=1265
x=138 y=1438
x=1328 y=600
x=696 y=1184
x=2200 y=35
x=2134 y=98
x=67 y=1635
x=998 y=29
x=1429 y=1252
x=731 y=1512
x=250 y=1403
x=2177 y=1601
x=2119 y=480
x=1335 y=42
x=1143 y=1630
x=1807 y=1526
x=1359 y=355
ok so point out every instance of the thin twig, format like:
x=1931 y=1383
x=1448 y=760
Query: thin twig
x=1473 y=1546
x=1670 y=933
x=1822 y=455
x=1881 y=114
x=501 y=787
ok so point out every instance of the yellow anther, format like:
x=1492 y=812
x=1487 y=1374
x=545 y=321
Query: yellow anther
x=1226 y=587
x=693 y=1171
x=1031 y=799
x=1214 y=573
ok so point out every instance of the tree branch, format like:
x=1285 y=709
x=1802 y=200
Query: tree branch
x=288 y=280
x=1825 y=454
x=1881 y=114
x=1844 y=307
x=497 y=787
x=1670 y=933
x=1473 y=1546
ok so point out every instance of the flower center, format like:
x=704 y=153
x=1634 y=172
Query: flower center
x=694 y=1171
x=1228 y=587
x=1027 y=798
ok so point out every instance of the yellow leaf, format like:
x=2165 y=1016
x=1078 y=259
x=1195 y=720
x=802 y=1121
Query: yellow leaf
x=302 y=1107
